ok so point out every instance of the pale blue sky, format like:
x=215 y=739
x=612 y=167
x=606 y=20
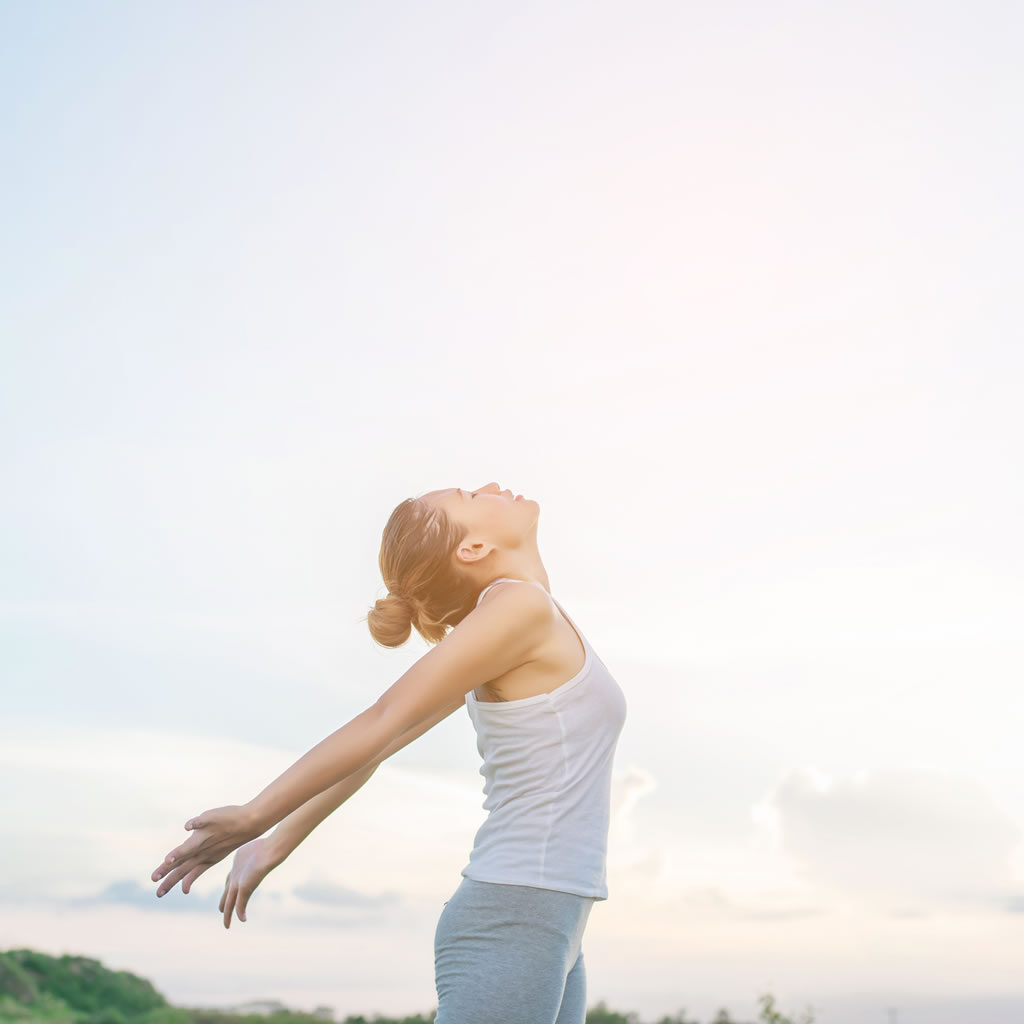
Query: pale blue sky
x=730 y=290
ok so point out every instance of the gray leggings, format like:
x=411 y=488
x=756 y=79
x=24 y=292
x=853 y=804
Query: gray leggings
x=511 y=954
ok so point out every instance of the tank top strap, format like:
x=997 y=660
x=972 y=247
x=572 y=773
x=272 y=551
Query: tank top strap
x=509 y=579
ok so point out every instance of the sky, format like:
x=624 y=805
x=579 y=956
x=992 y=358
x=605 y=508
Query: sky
x=731 y=290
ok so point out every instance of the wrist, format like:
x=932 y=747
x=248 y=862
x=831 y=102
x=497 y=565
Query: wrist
x=258 y=819
x=276 y=849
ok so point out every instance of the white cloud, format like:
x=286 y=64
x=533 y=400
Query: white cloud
x=904 y=840
x=636 y=861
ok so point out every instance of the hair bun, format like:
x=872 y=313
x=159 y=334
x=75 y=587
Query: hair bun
x=416 y=555
x=390 y=620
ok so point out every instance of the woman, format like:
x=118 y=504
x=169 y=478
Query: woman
x=547 y=715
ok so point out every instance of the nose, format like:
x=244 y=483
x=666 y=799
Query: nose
x=493 y=488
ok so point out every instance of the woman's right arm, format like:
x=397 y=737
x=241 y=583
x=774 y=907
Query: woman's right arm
x=291 y=831
x=297 y=826
x=268 y=853
x=502 y=633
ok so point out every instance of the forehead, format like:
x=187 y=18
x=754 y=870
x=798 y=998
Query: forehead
x=445 y=492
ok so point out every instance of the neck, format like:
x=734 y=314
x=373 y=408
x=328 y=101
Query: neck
x=522 y=564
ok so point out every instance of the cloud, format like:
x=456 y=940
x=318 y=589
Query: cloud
x=628 y=788
x=903 y=839
x=712 y=901
x=635 y=861
x=780 y=913
x=127 y=891
x=333 y=895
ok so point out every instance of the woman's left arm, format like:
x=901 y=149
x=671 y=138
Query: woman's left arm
x=222 y=830
x=497 y=636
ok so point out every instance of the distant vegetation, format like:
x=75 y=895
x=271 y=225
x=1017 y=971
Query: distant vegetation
x=36 y=988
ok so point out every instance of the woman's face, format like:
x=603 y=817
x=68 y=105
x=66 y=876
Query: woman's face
x=490 y=513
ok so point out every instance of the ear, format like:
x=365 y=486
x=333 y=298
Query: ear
x=470 y=550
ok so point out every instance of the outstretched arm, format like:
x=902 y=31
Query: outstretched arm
x=292 y=830
x=503 y=633
x=256 y=859
x=300 y=823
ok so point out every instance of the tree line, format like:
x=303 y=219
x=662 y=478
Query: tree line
x=37 y=988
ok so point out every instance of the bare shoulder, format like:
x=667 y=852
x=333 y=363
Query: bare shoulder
x=504 y=631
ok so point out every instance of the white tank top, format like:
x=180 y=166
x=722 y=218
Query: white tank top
x=547 y=765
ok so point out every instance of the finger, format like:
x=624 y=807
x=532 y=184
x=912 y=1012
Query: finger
x=177 y=856
x=164 y=866
x=243 y=902
x=203 y=856
x=170 y=862
x=181 y=863
x=230 y=906
x=182 y=867
x=209 y=817
x=197 y=822
x=224 y=894
x=172 y=880
x=191 y=877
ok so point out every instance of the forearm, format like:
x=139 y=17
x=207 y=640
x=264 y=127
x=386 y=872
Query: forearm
x=294 y=829
x=333 y=760
x=298 y=825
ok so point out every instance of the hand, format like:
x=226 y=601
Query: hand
x=215 y=833
x=253 y=862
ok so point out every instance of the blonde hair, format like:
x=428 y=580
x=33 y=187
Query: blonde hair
x=426 y=589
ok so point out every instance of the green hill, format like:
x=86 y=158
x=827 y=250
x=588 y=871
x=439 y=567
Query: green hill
x=36 y=988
